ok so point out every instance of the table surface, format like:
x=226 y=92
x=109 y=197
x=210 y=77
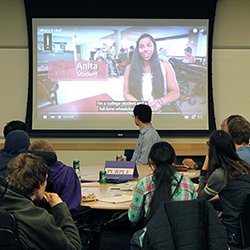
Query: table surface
x=90 y=176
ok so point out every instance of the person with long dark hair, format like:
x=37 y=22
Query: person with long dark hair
x=149 y=79
x=226 y=175
x=163 y=184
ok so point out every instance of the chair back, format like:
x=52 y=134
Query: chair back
x=9 y=239
x=128 y=153
x=245 y=223
x=185 y=225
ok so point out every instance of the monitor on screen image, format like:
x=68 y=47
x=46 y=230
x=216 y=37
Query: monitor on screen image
x=88 y=74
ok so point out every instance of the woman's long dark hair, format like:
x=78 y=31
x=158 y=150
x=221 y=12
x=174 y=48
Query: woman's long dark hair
x=222 y=153
x=163 y=155
x=136 y=71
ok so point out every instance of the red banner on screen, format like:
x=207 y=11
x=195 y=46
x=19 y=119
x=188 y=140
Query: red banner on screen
x=78 y=71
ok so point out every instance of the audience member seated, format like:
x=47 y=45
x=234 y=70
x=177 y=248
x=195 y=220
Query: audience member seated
x=13 y=125
x=148 y=135
x=121 y=56
x=224 y=126
x=122 y=66
x=131 y=52
x=27 y=179
x=226 y=121
x=14 y=142
x=163 y=54
x=98 y=56
x=189 y=58
x=110 y=59
x=226 y=174
x=164 y=184
x=239 y=129
x=65 y=180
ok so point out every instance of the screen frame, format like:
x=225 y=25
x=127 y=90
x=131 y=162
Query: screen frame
x=170 y=9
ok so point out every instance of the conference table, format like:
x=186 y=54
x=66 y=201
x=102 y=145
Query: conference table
x=114 y=192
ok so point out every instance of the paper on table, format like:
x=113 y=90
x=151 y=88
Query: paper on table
x=117 y=199
x=126 y=188
x=187 y=173
x=90 y=184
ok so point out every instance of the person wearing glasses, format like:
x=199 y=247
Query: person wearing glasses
x=225 y=174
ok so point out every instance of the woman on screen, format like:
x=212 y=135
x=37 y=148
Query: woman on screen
x=164 y=184
x=149 y=79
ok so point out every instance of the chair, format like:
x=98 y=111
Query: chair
x=128 y=153
x=3 y=170
x=244 y=225
x=185 y=225
x=48 y=88
x=9 y=239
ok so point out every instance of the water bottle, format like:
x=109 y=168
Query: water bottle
x=76 y=166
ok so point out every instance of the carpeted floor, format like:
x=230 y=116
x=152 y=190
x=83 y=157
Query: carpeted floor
x=106 y=230
x=114 y=240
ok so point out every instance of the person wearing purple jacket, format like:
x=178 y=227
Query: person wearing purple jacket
x=66 y=182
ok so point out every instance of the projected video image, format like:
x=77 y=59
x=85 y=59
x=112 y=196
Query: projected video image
x=106 y=69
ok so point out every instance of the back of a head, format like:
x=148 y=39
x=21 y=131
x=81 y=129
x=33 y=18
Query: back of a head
x=15 y=141
x=143 y=112
x=162 y=152
x=14 y=125
x=239 y=129
x=231 y=117
x=42 y=145
x=26 y=172
x=221 y=146
x=163 y=156
x=222 y=154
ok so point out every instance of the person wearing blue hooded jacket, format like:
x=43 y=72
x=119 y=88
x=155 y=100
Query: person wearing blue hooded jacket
x=13 y=125
x=14 y=142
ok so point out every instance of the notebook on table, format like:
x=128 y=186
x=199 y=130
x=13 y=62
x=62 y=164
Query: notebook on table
x=117 y=199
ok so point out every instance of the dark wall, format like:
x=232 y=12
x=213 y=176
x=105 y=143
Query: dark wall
x=122 y=9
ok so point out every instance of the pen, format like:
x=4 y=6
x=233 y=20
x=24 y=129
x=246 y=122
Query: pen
x=89 y=186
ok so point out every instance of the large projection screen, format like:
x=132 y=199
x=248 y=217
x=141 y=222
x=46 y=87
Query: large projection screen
x=80 y=68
